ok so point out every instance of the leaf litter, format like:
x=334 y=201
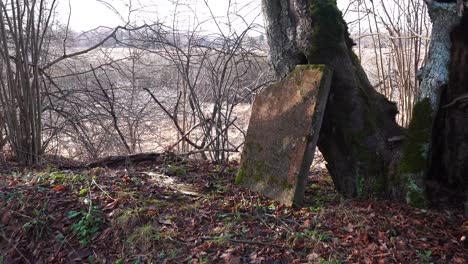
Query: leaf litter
x=189 y=211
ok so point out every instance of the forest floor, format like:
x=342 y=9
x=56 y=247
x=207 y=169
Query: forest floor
x=187 y=211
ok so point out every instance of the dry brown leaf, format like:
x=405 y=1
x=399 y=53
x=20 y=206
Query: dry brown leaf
x=59 y=188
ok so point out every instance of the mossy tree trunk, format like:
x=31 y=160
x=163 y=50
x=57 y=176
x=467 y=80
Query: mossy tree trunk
x=449 y=161
x=368 y=154
x=359 y=137
x=416 y=164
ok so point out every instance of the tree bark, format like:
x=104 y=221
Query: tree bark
x=368 y=154
x=416 y=163
x=359 y=137
x=449 y=168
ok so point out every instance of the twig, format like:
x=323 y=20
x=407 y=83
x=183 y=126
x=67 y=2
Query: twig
x=281 y=221
x=243 y=241
x=103 y=191
x=16 y=248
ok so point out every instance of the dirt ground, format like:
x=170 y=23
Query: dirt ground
x=173 y=210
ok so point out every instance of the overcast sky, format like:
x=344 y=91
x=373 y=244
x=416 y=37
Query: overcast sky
x=89 y=14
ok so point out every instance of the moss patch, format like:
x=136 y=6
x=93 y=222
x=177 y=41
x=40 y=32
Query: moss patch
x=240 y=176
x=300 y=68
x=295 y=75
x=415 y=196
x=370 y=177
x=415 y=151
x=329 y=30
x=413 y=164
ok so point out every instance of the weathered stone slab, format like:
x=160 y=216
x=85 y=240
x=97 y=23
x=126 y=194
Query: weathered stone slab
x=283 y=132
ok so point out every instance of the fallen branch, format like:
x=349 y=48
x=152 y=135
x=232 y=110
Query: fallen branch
x=243 y=241
x=116 y=161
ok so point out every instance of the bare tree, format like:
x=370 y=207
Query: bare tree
x=214 y=76
x=24 y=27
x=394 y=35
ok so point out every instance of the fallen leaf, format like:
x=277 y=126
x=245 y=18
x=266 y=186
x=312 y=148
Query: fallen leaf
x=6 y=218
x=59 y=188
x=13 y=183
x=80 y=254
x=152 y=212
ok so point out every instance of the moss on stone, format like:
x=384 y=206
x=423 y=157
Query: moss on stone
x=300 y=68
x=286 y=185
x=295 y=75
x=259 y=166
x=272 y=180
x=283 y=184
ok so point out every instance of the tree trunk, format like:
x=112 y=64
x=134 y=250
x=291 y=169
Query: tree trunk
x=365 y=149
x=449 y=168
x=359 y=137
x=423 y=138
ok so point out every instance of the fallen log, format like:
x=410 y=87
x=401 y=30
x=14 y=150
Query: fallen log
x=117 y=161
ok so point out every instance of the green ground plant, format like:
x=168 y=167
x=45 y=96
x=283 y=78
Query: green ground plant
x=87 y=225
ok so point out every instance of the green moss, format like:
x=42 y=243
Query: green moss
x=255 y=171
x=272 y=180
x=329 y=29
x=284 y=184
x=240 y=176
x=330 y=38
x=295 y=75
x=370 y=179
x=416 y=196
x=359 y=185
x=178 y=170
x=380 y=184
x=304 y=67
x=258 y=175
x=83 y=192
x=355 y=56
x=415 y=151
x=413 y=164
x=287 y=185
